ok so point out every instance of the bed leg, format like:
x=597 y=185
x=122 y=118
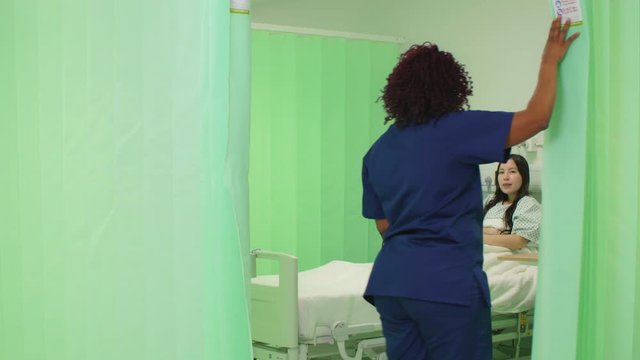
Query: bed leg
x=343 y=352
x=523 y=327
x=367 y=348
x=303 y=352
x=292 y=354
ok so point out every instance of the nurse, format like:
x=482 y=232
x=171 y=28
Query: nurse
x=421 y=185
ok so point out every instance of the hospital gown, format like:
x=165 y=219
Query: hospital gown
x=526 y=219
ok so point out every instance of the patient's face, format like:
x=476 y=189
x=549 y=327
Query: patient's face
x=509 y=178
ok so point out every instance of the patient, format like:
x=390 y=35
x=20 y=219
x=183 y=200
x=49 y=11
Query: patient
x=512 y=217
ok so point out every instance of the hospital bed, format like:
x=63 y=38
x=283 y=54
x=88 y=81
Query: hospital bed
x=321 y=314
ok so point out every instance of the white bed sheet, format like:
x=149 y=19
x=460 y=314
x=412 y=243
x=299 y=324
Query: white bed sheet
x=330 y=293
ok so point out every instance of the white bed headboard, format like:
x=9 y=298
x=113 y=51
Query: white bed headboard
x=274 y=309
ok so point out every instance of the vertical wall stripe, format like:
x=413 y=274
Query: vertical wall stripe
x=308 y=144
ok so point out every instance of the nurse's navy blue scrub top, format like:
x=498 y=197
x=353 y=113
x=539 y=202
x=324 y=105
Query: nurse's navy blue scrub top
x=425 y=180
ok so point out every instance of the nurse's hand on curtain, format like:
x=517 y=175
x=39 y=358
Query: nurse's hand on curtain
x=557 y=42
x=536 y=116
x=382 y=225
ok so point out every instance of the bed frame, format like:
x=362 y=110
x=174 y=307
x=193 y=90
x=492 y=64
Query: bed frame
x=274 y=323
x=509 y=330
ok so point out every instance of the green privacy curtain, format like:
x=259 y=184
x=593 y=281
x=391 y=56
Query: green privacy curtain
x=610 y=293
x=117 y=235
x=564 y=184
x=314 y=115
x=589 y=291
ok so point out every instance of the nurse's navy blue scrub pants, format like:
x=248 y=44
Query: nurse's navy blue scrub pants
x=424 y=330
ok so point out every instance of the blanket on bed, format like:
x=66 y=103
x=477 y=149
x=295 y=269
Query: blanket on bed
x=512 y=284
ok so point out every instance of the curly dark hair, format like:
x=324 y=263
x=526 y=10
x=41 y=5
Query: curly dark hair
x=425 y=84
x=499 y=196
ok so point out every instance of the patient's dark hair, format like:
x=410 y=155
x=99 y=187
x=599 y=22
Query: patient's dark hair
x=425 y=84
x=499 y=196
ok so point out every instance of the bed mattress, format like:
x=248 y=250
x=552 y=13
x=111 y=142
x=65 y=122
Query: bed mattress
x=333 y=292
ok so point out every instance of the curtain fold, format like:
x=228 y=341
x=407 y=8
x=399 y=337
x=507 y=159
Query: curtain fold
x=558 y=291
x=610 y=284
x=237 y=155
x=589 y=289
x=116 y=226
x=314 y=115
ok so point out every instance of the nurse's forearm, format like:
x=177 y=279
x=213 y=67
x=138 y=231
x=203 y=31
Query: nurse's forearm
x=510 y=241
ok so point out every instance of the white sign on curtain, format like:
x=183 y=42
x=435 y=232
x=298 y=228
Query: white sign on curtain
x=240 y=6
x=568 y=9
